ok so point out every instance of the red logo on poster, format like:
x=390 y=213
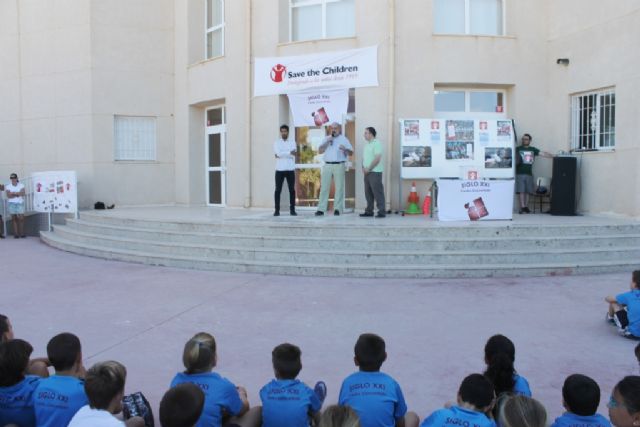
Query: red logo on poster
x=498 y=108
x=277 y=73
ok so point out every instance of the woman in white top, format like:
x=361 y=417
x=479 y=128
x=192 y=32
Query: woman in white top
x=15 y=203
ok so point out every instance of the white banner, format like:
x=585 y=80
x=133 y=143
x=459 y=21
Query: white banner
x=55 y=191
x=341 y=69
x=462 y=200
x=318 y=108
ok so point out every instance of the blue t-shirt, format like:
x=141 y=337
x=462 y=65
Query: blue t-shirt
x=57 y=399
x=632 y=300
x=569 y=419
x=220 y=396
x=521 y=386
x=457 y=416
x=376 y=398
x=16 y=402
x=287 y=403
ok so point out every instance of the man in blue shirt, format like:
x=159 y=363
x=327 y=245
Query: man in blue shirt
x=59 y=397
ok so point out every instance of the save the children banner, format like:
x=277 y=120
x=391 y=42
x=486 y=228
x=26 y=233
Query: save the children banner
x=55 y=191
x=318 y=108
x=339 y=69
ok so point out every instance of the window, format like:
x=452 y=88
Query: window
x=593 y=120
x=475 y=17
x=321 y=19
x=469 y=101
x=134 y=138
x=214 y=28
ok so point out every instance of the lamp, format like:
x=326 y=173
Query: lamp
x=562 y=61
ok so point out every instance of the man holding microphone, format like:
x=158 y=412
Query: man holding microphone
x=336 y=148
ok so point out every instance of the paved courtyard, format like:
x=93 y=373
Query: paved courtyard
x=435 y=329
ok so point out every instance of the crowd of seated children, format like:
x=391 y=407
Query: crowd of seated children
x=368 y=398
x=624 y=309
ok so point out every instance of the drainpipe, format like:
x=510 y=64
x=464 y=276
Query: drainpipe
x=247 y=114
x=391 y=98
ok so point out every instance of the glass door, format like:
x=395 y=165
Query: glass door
x=215 y=156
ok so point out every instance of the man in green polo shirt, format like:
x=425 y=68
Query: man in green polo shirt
x=372 y=169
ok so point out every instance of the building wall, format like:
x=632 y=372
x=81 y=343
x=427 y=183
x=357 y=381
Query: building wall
x=601 y=44
x=66 y=68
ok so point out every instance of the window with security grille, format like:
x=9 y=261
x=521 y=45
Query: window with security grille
x=134 y=138
x=593 y=120
x=473 y=17
x=321 y=19
x=214 y=28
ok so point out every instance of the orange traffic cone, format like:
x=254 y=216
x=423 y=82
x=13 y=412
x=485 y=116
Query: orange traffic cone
x=426 y=205
x=414 y=199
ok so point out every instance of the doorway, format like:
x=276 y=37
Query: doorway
x=215 y=157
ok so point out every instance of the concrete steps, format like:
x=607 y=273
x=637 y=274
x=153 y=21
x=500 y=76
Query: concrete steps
x=361 y=249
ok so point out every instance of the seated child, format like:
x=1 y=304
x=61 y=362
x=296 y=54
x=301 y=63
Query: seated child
x=375 y=396
x=287 y=401
x=521 y=411
x=104 y=386
x=181 y=406
x=500 y=355
x=16 y=389
x=36 y=366
x=339 y=416
x=580 y=397
x=624 y=403
x=624 y=309
x=59 y=397
x=475 y=400
x=223 y=401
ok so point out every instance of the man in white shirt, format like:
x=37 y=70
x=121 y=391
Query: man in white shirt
x=15 y=204
x=336 y=148
x=285 y=151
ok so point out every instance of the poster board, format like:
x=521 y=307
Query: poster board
x=55 y=191
x=457 y=148
x=477 y=200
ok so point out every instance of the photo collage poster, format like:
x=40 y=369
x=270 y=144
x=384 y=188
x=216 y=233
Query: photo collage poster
x=55 y=191
x=457 y=148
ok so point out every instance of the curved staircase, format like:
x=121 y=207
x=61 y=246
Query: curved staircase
x=348 y=246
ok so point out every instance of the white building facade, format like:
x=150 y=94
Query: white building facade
x=151 y=101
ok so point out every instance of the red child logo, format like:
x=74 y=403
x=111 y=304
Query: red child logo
x=38 y=187
x=277 y=73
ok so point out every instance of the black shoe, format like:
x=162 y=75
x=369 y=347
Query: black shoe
x=23 y=237
x=276 y=213
x=1 y=236
x=366 y=214
x=380 y=215
x=526 y=210
x=319 y=213
x=293 y=213
x=16 y=237
x=521 y=211
x=336 y=213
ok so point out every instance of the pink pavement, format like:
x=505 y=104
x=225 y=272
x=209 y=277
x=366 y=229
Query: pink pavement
x=435 y=329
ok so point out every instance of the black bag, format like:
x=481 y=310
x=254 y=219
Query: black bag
x=99 y=206
x=136 y=405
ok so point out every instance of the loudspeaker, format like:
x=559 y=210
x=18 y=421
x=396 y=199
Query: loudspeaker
x=563 y=186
